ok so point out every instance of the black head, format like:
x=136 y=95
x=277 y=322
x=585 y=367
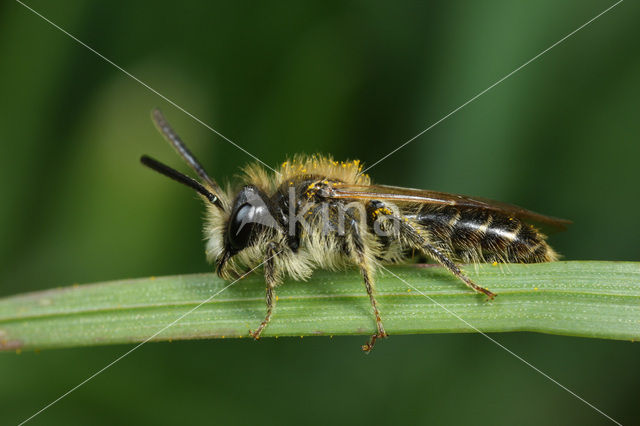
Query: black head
x=250 y=216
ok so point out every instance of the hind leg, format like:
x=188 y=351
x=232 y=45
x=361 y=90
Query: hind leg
x=445 y=261
x=413 y=237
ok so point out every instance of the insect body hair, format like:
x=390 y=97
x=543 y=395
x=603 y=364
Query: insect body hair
x=464 y=234
x=318 y=250
x=316 y=212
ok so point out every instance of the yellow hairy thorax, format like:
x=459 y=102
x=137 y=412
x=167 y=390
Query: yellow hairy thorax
x=327 y=167
x=300 y=165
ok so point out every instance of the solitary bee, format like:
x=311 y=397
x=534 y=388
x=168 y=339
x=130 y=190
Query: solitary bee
x=319 y=213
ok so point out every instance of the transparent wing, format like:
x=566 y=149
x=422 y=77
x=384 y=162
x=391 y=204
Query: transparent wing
x=420 y=196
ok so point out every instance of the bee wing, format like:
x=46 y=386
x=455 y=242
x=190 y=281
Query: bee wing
x=420 y=196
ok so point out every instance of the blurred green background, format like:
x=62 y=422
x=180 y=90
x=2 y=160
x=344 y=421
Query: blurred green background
x=355 y=79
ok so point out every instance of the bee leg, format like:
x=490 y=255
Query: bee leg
x=356 y=246
x=271 y=282
x=454 y=269
x=418 y=241
x=380 y=328
x=271 y=303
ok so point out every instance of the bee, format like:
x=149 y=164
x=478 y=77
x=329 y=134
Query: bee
x=315 y=212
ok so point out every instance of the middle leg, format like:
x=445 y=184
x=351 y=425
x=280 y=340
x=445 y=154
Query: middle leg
x=358 y=252
x=374 y=304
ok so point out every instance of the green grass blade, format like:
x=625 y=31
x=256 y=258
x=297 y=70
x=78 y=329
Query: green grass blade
x=589 y=299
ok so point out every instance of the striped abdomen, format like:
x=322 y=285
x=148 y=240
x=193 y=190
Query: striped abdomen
x=475 y=235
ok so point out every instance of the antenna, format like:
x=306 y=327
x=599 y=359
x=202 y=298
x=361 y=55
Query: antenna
x=172 y=137
x=181 y=178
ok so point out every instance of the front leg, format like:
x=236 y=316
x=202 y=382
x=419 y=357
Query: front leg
x=271 y=280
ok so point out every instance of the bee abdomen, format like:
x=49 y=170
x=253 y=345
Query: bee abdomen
x=480 y=235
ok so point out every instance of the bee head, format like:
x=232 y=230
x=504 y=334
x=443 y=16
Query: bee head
x=249 y=215
x=249 y=223
x=231 y=227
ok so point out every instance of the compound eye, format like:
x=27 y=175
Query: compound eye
x=240 y=226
